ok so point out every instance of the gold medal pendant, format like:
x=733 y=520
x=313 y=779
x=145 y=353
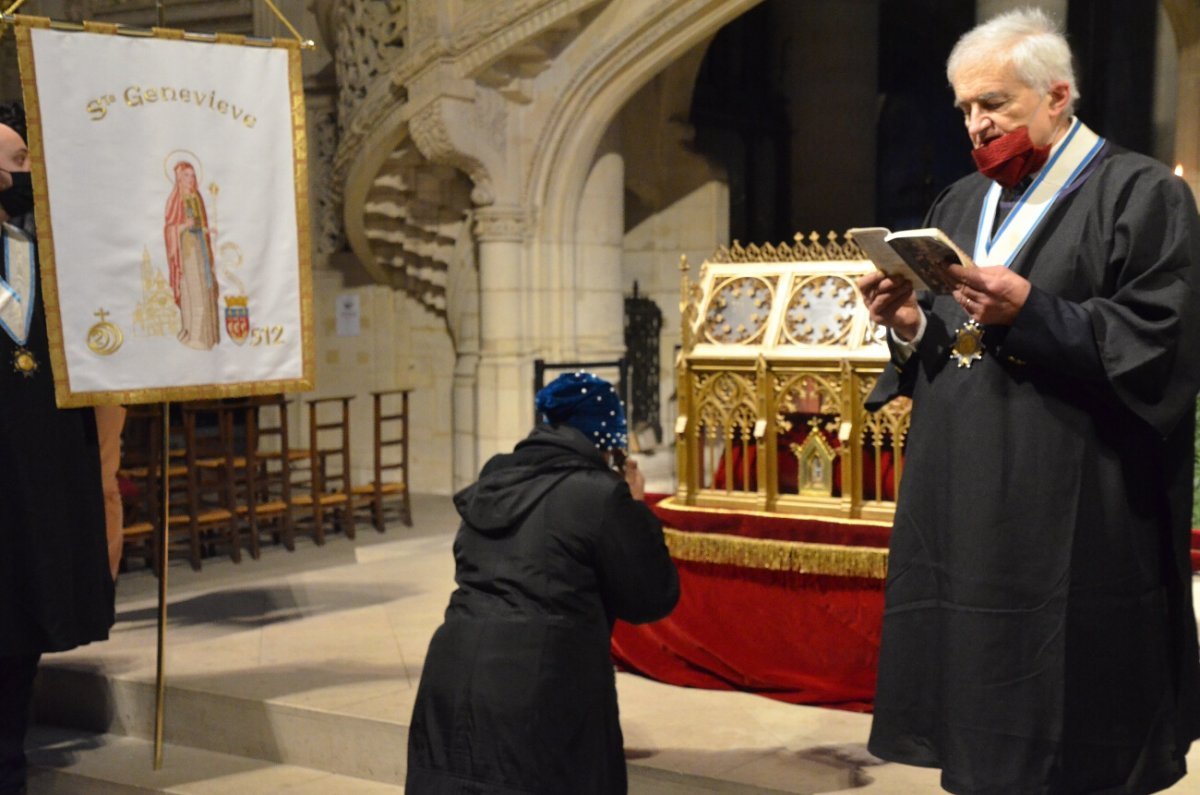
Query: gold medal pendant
x=24 y=362
x=968 y=345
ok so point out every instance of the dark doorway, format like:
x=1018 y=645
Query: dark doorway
x=738 y=111
x=922 y=144
x=1114 y=43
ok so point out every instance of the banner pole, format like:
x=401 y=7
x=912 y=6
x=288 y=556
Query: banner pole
x=160 y=677
x=306 y=44
x=160 y=681
x=9 y=18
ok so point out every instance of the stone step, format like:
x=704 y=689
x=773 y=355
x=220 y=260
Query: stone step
x=316 y=739
x=95 y=732
x=70 y=762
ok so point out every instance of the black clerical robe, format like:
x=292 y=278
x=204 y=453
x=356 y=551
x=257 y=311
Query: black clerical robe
x=56 y=591
x=1039 y=634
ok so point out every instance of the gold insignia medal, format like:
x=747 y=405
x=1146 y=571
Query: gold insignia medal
x=968 y=345
x=24 y=362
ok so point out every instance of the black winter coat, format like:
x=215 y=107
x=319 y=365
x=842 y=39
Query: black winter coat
x=517 y=693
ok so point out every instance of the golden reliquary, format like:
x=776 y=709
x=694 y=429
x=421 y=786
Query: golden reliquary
x=778 y=357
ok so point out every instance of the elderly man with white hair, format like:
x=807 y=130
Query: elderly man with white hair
x=1039 y=634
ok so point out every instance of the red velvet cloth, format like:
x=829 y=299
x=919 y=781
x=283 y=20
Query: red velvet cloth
x=799 y=638
x=791 y=637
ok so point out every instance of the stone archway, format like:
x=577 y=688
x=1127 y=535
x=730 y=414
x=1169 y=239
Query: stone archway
x=533 y=239
x=613 y=72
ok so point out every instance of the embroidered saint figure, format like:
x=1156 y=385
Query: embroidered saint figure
x=190 y=257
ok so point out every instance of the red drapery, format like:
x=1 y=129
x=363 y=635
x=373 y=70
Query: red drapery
x=797 y=637
x=805 y=638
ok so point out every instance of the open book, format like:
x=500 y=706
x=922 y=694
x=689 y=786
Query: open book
x=919 y=255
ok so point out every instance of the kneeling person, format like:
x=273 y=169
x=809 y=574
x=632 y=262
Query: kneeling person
x=518 y=693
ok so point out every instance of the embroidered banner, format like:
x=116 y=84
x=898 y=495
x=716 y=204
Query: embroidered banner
x=171 y=204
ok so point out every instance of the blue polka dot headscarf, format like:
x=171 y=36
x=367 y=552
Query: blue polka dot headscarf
x=588 y=404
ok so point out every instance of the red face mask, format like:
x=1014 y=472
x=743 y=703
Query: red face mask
x=1010 y=158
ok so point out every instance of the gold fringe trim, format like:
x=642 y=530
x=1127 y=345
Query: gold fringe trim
x=673 y=503
x=794 y=556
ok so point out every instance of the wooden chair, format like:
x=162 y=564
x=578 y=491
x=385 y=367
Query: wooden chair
x=329 y=488
x=141 y=469
x=207 y=511
x=267 y=498
x=224 y=462
x=391 y=457
x=279 y=460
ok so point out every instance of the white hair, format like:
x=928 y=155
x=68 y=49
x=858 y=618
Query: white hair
x=1030 y=39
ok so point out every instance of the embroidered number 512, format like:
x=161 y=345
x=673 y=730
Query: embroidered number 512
x=266 y=335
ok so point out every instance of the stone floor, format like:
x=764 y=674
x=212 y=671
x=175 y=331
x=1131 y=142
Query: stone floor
x=296 y=673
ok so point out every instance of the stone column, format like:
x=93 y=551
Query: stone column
x=466 y=447
x=598 y=294
x=1187 y=113
x=504 y=389
x=1166 y=90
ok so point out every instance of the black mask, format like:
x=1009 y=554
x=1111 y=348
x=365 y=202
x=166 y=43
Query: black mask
x=18 y=198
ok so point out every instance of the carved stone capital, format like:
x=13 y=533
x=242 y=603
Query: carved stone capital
x=501 y=224
x=430 y=131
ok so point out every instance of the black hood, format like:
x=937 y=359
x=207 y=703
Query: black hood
x=511 y=484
